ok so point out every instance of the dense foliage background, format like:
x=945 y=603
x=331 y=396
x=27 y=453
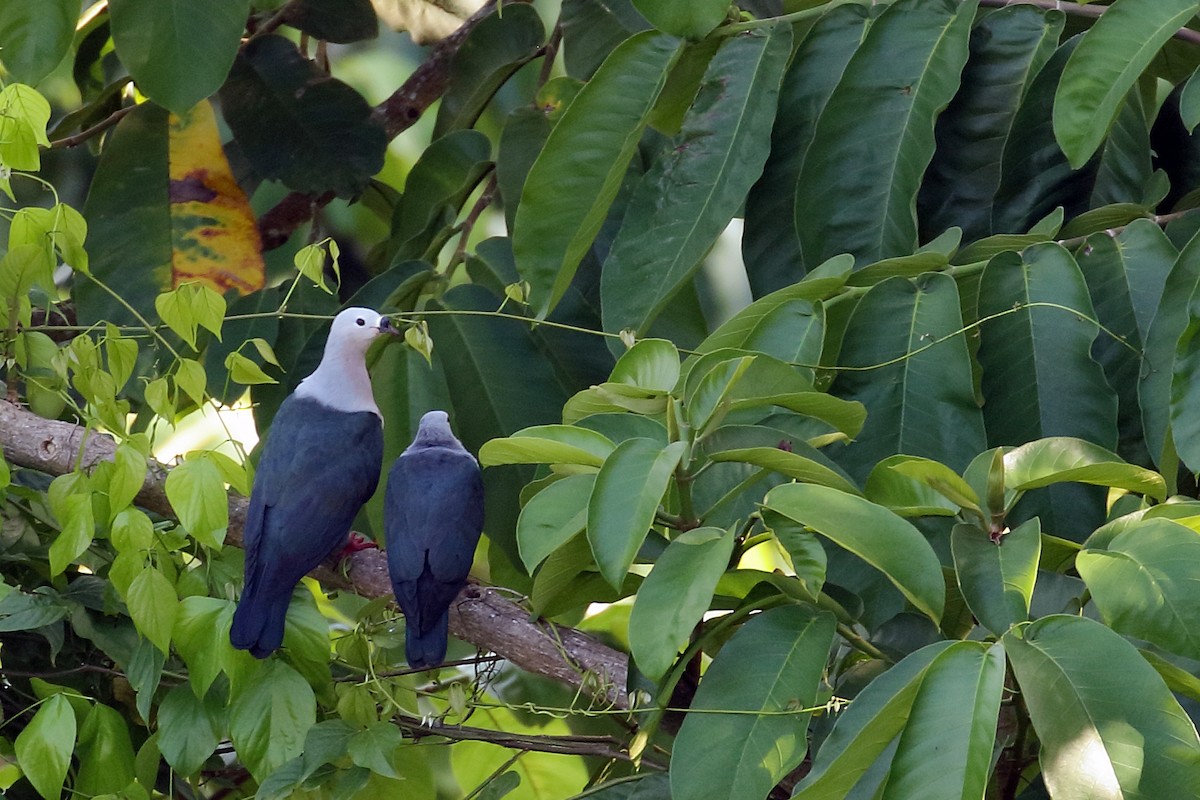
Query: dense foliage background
x=918 y=521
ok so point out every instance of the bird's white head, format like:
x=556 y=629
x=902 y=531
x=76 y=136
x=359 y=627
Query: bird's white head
x=340 y=380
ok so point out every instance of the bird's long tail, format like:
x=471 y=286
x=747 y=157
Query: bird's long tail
x=258 y=623
x=427 y=650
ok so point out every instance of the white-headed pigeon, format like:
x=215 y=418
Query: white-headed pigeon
x=433 y=515
x=320 y=463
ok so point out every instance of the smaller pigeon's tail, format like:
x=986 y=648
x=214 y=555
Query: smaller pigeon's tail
x=427 y=650
x=258 y=624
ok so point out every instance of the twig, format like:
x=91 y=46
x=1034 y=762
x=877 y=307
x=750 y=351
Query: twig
x=597 y=746
x=1084 y=10
x=101 y=126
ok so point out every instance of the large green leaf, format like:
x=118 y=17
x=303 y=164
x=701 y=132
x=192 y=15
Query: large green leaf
x=44 y=747
x=770 y=246
x=268 y=720
x=675 y=595
x=105 y=752
x=1143 y=582
x=552 y=517
x=591 y=29
x=937 y=708
x=687 y=197
x=548 y=444
x=177 y=51
x=576 y=177
x=1107 y=724
x=189 y=729
x=34 y=37
x=1061 y=459
x=1008 y=47
x=773 y=664
x=1126 y=167
x=997 y=577
x=876 y=535
x=788 y=463
x=690 y=18
x=917 y=389
x=628 y=490
x=1107 y=63
x=905 y=71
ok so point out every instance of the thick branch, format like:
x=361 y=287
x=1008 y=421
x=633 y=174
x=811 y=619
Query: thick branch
x=481 y=615
x=596 y=746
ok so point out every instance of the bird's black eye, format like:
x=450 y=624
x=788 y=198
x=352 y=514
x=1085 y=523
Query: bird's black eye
x=359 y=322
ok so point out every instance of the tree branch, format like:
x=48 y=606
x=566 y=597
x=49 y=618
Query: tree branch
x=596 y=746
x=481 y=615
x=1082 y=10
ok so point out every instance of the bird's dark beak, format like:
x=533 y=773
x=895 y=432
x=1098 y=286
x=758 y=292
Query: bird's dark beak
x=386 y=326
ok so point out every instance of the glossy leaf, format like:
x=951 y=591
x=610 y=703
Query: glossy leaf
x=1108 y=726
x=45 y=745
x=298 y=125
x=906 y=70
x=1142 y=583
x=178 y=52
x=675 y=595
x=786 y=324
x=787 y=463
x=592 y=29
x=34 y=37
x=576 y=177
x=270 y=717
x=772 y=664
x=687 y=197
x=548 y=444
x=997 y=578
x=651 y=364
x=925 y=728
x=189 y=729
x=917 y=389
x=553 y=517
x=105 y=751
x=1060 y=459
x=688 y=18
x=628 y=490
x=153 y=605
x=197 y=494
x=1107 y=63
x=771 y=250
x=938 y=477
x=1008 y=47
x=874 y=534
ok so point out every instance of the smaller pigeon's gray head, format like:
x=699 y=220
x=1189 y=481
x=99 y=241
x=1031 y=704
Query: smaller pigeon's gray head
x=434 y=431
x=355 y=328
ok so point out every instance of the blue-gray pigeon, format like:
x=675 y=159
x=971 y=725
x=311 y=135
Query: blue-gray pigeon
x=433 y=515
x=320 y=463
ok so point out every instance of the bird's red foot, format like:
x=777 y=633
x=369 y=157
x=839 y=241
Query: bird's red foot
x=354 y=543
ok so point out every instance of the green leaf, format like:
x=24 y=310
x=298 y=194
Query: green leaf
x=770 y=250
x=576 y=177
x=938 y=477
x=153 y=605
x=787 y=463
x=651 y=364
x=23 y=117
x=674 y=597
x=937 y=708
x=177 y=52
x=35 y=37
x=244 y=371
x=921 y=401
x=375 y=747
x=906 y=70
x=270 y=717
x=997 y=578
x=201 y=637
x=79 y=526
x=771 y=666
x=176 y=311
x=189 y=729
x=592 y=29
x=548 y=444
x=197 y=494
x=787 y=324
x=1143 y=581
x=1107 y=724
x=131 y=530
x=692 y=19
x=1060 y=459
x=874 y=534
x=105 y=753
x=127 y=477
x=552 y=517
x=44 y=747
x=628 y=490
x=1008 y=47
x=299 y=125
x=1106 y=64
x=707 y=403
x=689 y=194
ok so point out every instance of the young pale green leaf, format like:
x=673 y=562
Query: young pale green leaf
x=628 y=490
x=675 y=595
x=1107 y=724
x=127 y=478
x=1106 y=64
x=1143 y=583
x=771 y=666
x=201 y=637
x=1060 y=459
x=787 y=324
x=689 y=194
x=938 y=708
x=790 y=464
x=552 y=517
x=938 y=477
x=105 y=751
x=874 y=534
x=5 y=472
x=269 y=718
x=122 y=354
x=79 y=526
x=174 y=309
x=23 y=117
x=244 y=371
x=44 y=747
x=153 y=606
x=548 y=444
x=197 y=494
x=997 y=578
x=651 y=365
x=576 y=177
x=189 y=729
x=704 y=403
x=131 y=530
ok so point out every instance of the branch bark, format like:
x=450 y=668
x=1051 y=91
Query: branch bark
x=481 y=615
